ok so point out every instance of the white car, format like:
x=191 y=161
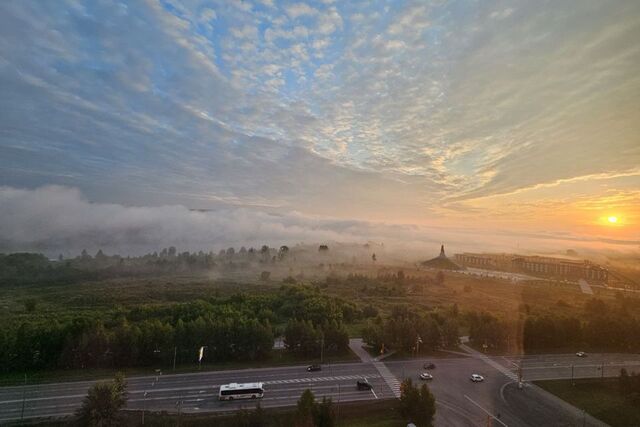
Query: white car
x=426 y=376
x=477 y=378
x=581 y=354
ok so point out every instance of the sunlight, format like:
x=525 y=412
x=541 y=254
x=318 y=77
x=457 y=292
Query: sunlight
x=612 y=219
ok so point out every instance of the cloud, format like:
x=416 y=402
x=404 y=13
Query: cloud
x=297 y=10
x=390 y=117
x=56 y=219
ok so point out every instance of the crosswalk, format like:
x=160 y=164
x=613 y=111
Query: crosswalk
x=388 y=377
x=489 y=361
x=319 y=379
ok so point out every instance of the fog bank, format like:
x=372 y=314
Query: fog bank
x=54 y=219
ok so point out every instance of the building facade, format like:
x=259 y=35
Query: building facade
x=549 y=267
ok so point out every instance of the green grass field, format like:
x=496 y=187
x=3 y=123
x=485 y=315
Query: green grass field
x=601 y=399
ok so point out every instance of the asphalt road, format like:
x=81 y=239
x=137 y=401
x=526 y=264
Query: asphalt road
x=464 y=403
x=198 y=392
x=460 y=402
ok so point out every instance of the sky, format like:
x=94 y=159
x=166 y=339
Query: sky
x=489 y=124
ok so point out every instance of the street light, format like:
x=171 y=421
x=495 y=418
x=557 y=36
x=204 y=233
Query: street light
x=573 y=383
x=144 y=406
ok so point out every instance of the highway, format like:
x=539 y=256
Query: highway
x=460 y=402
x=198 y=392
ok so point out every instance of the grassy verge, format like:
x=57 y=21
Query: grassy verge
x=602 y=399
x=381 y=413
x=370 y=414
x=279 y=358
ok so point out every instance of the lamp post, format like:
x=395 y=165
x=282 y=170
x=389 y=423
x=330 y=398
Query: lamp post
x=573 y=383
x=24 y=391
x=175 y=352
x=144 y=406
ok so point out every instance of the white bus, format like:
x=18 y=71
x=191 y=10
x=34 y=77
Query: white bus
x=241 y=391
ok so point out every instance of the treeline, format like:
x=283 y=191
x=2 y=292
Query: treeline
x=240 y=327
x=603 y=326
x=489 y=332
x=31 y=268
x=407 y=331
x=27 y=268
x=304 y=338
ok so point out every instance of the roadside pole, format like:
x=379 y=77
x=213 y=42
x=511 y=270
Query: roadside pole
x=144 y=406
x=520 y=377
x=175 y=353
x=24 y=395
x=573 y=383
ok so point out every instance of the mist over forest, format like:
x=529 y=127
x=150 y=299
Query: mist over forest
x=59 y=220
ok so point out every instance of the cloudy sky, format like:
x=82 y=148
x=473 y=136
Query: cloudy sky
x=513 y=118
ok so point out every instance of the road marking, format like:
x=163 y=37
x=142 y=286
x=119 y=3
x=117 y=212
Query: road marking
x=458 y=410
x=498 y=367
x=484 y=410
x=585 y=287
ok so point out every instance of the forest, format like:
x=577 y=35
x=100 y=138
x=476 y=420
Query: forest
x=238 y=327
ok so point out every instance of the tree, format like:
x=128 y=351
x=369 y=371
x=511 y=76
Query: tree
x=323 y=414
x=103 y=403
x=417 y=405
x=305 y=410
x=282 y=253
x=426 y=407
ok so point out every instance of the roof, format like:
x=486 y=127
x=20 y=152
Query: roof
x=237 y=386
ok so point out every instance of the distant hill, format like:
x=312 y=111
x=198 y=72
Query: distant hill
x=441 y=262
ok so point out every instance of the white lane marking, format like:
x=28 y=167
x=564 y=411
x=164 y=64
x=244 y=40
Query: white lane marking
x=345 y=396
x=193 y=388
x=458 y=410
x=484 y=410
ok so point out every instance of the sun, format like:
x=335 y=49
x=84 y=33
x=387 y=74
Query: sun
x=612 y=219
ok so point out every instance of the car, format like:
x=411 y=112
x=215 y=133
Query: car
x=313 y=368
x=477 y=378
x=363 y=385
x=429 y=366
x=581 y=354
x=426 y=376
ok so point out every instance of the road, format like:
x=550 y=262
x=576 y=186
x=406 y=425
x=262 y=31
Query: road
x=460 y=402
x=463 y=403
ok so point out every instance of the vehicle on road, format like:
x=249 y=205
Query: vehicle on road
x=363 y=385
x=581 y=354
x=241 y=391
x=477 y=378
x=429 y=366
x=313 y=368
x=426 y=376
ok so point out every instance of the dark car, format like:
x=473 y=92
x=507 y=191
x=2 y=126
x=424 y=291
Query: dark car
x=363 y=385
x=313 y=368
x=429 y=366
